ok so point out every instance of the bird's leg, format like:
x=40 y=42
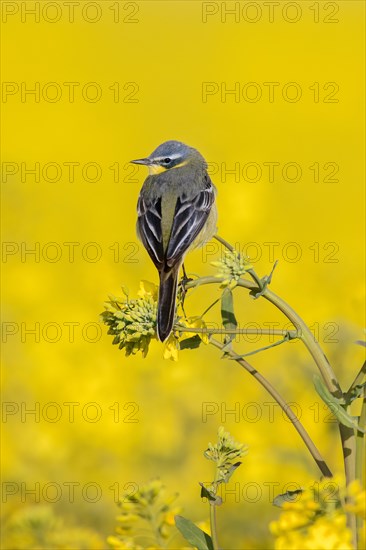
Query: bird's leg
x=185 y=279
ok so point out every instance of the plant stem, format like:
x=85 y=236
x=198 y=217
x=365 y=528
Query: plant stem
x=309 y=341
x=360 y=450
x=347 y=435
x=358 y=380
x=305 y=334
x=349 y=457
x=261 y=331
x=215 y=543
x=225 y=243
x=282 y=403
x=360 y=438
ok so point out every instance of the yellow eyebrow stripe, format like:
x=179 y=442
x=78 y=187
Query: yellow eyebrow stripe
x=181 y=164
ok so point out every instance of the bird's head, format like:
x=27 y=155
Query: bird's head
x=169 y=155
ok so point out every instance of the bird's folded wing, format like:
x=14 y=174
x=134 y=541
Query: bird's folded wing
x=149 y=229
x=189 y=218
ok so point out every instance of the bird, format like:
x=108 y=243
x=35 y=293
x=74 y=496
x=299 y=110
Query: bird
x=176 y=212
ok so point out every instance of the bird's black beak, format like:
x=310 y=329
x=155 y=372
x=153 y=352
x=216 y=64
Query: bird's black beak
x=145 y=161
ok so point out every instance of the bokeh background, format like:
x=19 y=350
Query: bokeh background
x=141 y=73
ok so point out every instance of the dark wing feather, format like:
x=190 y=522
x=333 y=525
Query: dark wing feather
x=189 y=218
x=149 y=227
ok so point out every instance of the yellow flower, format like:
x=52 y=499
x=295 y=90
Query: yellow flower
x=169 y=518
x=132 y=322
x=195 y=322
x=327 y=533
x=126 y=518
x=356 y=499
x=125 y=544
x=171 y=348
x=317 y=520
x=330 y=533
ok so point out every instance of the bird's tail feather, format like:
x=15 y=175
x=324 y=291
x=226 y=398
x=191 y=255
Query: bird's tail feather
x=166 y=304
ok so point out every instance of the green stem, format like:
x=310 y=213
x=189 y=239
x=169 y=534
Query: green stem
x=210 y=307
x=256 y=279
x=262 y=331
x=213 y=524
x=360 y=440
x=305 y=334
x=284 y=406
x=273 y=392
x=225 y=243
x=360 y=452
x=357 y=381
x=308 y=340
x=347 y=435
x=265 y=348
x=348 y=439
x=155 y=528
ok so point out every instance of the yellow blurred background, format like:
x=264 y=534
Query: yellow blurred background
x=271 y=94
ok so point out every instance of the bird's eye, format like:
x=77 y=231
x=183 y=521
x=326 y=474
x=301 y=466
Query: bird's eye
x=167 y=160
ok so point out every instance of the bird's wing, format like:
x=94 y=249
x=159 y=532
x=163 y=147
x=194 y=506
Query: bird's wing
x=189 y=218
x=149 y=229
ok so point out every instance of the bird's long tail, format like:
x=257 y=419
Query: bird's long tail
x=166 y=303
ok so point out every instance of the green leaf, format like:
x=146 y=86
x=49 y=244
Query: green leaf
x=335 y=405
x=214 y=500
x=227 y=313
x=193 y=534
x=289 y=496
x=190 y=343
x=205 y=493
